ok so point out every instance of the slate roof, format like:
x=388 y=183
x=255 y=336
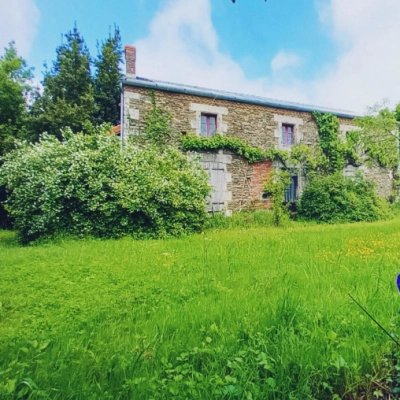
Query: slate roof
x=231 y=96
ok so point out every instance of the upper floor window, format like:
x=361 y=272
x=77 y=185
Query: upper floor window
x=287 y=135
x=208 y=125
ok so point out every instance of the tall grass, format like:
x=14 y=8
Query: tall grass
x=256 y=313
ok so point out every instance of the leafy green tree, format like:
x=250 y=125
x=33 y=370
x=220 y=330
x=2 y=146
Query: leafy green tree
x=14 y=89
x=68 y=96
x=107 y=80
x=380 y=135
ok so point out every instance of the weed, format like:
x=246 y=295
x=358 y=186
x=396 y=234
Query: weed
x=246 y=313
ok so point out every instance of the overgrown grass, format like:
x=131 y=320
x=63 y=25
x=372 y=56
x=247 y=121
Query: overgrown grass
x=257 y=313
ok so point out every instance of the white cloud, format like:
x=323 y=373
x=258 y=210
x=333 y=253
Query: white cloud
x=283 y=60
x=182 y=46
x=367 y=70
x=18 y=22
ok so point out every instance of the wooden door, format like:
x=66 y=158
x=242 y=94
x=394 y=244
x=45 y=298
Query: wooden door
x=217 y=173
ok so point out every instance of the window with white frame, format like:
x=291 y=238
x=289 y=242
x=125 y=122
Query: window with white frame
x=288 y=131
x=287 y=134
x=208 y=119
x=208 y=125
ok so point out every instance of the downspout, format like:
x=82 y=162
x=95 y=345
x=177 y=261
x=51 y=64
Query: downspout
x=122 y=122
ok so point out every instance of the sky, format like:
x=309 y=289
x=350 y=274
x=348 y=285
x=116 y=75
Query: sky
x=343 y=54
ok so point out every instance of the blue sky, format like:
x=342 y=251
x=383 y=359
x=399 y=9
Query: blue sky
x=336 y=53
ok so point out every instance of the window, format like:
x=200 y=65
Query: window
x=287 y=135
x=291 y=192
x=208 y=125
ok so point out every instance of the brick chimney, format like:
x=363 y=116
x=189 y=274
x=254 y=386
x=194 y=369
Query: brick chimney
x=130 y=61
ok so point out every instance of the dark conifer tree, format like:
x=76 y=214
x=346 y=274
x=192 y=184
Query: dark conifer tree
x=68 y=96
x=107 y=79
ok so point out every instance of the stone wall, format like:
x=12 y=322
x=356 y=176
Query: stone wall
x=382 y=177
x=256 y=125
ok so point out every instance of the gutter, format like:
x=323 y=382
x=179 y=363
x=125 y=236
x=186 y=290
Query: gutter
x=197 y=91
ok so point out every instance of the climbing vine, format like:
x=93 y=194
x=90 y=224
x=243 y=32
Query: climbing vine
x=157 y=123
x=330 y=156
x=219 y=142
x=275 y=186
x=334 y=151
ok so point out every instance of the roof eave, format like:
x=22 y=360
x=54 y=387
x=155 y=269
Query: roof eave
x=232 y=97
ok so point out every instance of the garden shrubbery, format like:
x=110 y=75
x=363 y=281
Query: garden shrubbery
x=88 y=185
x=337 y=198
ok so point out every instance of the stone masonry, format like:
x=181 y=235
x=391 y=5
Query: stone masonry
x=238 y=184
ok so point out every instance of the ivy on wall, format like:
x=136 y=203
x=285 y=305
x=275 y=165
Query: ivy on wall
x=333 y=150
x=218 y=142
x=329 y=157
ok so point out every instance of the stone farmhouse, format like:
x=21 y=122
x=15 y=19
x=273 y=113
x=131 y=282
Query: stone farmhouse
x=258 y=121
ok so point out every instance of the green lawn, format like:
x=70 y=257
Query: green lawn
x=257 y=313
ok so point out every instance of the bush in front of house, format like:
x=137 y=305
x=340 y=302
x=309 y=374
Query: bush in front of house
x=88 y=185
x=337 y=198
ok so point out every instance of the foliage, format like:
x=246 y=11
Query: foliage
x=68 y=97
x=157 y=124
x=277 y=154
x=397 y=112
x=197 y=143
x=5 y=220
x=85 y=185
x=333 y=150
x=259 y=313
x=107 y=87
x=305 y=156
x=336 y=199
x=380 y=135
x=275 y=186
x=14 y=88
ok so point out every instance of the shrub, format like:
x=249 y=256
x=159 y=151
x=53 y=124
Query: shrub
x=5 y=220
x=336 y=198
x=87 y=185
x=275 y=186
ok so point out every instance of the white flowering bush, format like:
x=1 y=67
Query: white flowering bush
x=88 y=185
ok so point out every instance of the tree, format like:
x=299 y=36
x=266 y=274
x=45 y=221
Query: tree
x=107 y=80
x=14 y=88
x=380 y=135
x=68 y=97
